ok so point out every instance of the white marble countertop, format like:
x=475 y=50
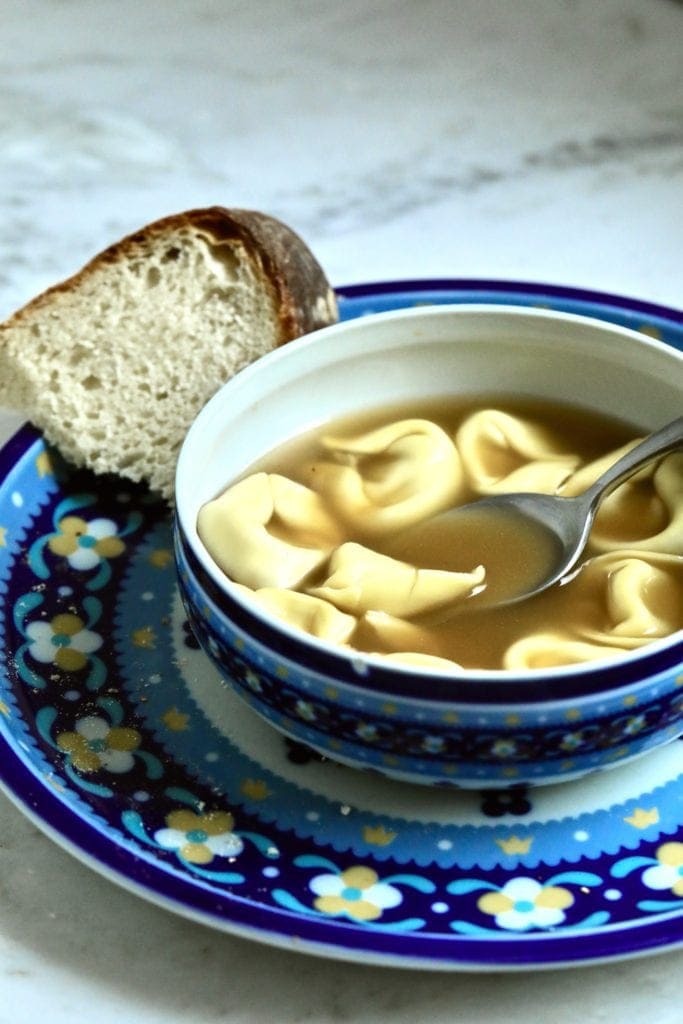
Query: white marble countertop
x=539 y=140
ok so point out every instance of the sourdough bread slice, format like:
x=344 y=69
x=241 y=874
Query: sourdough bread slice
x=113 y=363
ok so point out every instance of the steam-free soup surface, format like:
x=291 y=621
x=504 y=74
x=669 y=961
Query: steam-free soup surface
x=380 y=484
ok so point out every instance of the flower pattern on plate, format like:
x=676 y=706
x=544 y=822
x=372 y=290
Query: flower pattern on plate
x=356 y=893
x=64 y=641
x=95 y=744
x=198 y=838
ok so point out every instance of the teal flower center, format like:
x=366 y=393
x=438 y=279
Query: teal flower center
x=196 y=835
x=60 y=640
x=524 y=906
x=351 y=893
x=97 y=746
x=87 y=541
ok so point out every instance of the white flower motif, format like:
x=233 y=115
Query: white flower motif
x=97 y=732
x=668 y=872
x=252 y=680
x=504 y=748
x=524 y=903
x=95 y=745
x=198 y=838
x=305 y=710
x=64 y=641
x=634 y=725
x=356 y=893
x=84 y=544
x=433 y=744
x=366 y=731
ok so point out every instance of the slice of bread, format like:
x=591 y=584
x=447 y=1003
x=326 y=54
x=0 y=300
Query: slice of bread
x=113 y=363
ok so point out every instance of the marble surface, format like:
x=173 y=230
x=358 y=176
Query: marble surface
x=540 y=140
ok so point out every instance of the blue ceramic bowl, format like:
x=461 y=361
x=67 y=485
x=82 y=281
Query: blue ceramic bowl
x=486 y=728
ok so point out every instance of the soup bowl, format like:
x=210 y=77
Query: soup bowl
x=470 y=728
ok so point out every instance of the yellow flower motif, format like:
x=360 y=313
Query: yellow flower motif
x=198 y=838
x=95 y=745
x=3 y=536
x=175 y=720
x=161 y=558
x=668 y=872
x=64 y=641
x=255 y=789
x=144 y=637
x=84 y=543
x=356 y=893
x=524 y=903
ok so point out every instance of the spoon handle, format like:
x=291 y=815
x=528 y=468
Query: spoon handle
x=663 y=441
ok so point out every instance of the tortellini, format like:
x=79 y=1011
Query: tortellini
x=640 y=595
x=645 y=512
x=241 y=528
x=551 y=650
x=391 y=477
x=363 y=580
x=390 y=632
x=314 y=616
x=502 y=453
x=623 y=600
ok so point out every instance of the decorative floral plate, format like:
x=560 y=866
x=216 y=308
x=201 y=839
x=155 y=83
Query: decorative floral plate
x=117 y=738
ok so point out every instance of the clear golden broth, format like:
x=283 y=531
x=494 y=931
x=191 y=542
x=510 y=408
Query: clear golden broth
x=478 y=635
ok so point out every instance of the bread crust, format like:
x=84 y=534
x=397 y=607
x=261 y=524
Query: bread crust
x=232 y=283
x=305 y=300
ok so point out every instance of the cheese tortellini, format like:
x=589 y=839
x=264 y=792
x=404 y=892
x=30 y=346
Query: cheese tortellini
x=241 y=530
x=330 y=553
x=362 y=580
x=319 y=618
x=644 y=513
x=502 y=453
x=623 y=599
x=638 y=597
x=551 y=650
x=391 y=477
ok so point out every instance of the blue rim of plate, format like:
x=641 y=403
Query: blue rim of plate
x=77 y=810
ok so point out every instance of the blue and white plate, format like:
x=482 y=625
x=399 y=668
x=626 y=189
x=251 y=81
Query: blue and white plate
x=118 y=739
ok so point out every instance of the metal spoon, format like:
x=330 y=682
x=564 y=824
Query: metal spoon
x=569 y=520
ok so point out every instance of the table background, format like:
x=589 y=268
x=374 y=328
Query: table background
x=535 y=140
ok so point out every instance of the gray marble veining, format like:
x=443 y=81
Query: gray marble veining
x=337 y=120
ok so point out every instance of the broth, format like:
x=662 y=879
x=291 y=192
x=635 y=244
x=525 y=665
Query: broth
x=368 y=532
x=516 y=552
